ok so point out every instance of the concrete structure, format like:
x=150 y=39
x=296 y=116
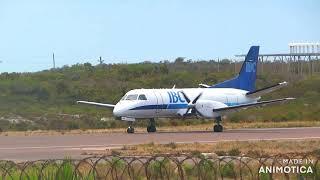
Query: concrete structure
x=298 y=48
x=298 y=52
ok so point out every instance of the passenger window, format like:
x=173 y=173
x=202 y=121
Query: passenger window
x=132 y=97
x=142 y=97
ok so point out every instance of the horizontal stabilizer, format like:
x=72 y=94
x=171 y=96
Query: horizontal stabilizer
x=204 y=86
x=260 y=92
x=245 y=106
x=97 y=104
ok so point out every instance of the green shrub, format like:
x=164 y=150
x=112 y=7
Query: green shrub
x=227 y=170
x=171 y=145
x=220 y=153
x=234 y=152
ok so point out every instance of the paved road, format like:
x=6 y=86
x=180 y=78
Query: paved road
x=22 y=148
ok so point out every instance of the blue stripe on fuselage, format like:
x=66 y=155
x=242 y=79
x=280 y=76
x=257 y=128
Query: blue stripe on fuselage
x=232 y=104
x=170 y=106
x=161 y=106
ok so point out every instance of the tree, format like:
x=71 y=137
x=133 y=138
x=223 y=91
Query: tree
x=179 y=60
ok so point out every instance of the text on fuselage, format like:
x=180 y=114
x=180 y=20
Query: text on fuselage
x=176 y=97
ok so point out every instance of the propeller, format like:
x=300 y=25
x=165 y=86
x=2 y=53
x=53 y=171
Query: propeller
x=191 y=105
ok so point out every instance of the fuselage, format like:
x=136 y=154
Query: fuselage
x=155 y=103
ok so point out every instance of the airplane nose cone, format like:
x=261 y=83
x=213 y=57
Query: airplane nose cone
x=117 y=111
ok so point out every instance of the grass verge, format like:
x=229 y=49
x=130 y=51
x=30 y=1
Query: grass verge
x=199 y=127
x=233 y=148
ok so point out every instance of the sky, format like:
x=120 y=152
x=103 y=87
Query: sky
x=130 y=31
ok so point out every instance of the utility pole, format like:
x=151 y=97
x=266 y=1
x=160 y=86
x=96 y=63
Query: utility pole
x=218 y=65
x=53 y=61
x=261 y=60
x=100 y=60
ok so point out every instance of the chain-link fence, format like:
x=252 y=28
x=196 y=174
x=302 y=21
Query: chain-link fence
x=289 y=166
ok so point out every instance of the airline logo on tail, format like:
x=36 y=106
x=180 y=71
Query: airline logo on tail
x=250 y=66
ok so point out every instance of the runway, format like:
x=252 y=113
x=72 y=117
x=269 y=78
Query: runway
x=21 y=148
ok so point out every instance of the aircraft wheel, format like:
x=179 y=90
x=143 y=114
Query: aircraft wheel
x=130 y=130
x=151 y=126
x=217 y=128
x=151 y=129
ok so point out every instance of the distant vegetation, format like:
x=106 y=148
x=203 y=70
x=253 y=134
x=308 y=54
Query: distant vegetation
x=46 y=99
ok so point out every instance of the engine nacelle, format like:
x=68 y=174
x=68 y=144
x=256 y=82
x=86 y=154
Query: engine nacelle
x=205 y=107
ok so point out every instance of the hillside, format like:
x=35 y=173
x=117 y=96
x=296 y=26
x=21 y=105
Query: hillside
x=46 y=99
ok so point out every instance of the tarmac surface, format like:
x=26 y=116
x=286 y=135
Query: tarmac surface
x=35 y=147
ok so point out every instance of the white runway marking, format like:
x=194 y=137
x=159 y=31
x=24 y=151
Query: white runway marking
x=59 y=147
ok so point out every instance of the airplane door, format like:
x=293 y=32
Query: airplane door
x=159 y=102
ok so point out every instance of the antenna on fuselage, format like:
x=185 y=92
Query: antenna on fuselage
x=174 y=86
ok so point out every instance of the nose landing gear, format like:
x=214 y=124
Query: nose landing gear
x=218 y=127
x=151 y=126
x=130 y=129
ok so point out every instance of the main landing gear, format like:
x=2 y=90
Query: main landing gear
x=218 y=127
x=130 y=128
x=151 y=126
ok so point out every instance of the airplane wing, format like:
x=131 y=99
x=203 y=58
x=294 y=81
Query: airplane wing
x=245 y=106
x=97 y=104
x=260 y=92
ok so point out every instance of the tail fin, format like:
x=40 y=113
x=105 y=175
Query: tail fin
x=246 y=79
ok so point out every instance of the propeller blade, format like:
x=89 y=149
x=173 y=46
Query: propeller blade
x=196 y=99
x=185 y=114
x=185 y=97
x=198 y=112
x=191 y=106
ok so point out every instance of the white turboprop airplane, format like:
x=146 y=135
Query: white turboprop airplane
x=210 y=102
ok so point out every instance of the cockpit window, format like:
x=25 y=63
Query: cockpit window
x=142 y=97
x=132 y=97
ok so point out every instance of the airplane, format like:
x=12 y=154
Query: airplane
x=210 y=102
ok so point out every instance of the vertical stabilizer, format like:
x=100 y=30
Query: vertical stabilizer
x=246 y=79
